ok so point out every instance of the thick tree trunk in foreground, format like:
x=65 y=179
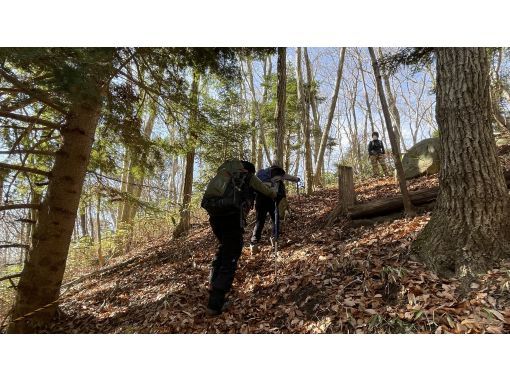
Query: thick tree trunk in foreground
x=408 y=207
x=44 y=268
x=185 y=214
x=469 y=229
x=281 y=94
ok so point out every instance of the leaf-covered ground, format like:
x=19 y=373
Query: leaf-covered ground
x=336 y=280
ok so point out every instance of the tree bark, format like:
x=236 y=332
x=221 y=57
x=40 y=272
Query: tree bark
x=469 y=229
x=281 y=95
x=45 y=265
x=408 y=207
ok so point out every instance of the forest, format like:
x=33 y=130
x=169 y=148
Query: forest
x=106 y=154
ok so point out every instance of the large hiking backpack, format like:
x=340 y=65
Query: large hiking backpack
x=228 y=192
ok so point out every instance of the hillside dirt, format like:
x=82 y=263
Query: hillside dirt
x=340 y=279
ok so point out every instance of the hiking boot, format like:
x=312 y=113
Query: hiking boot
x=216 y=302
x=215 y=312
x=254 y=248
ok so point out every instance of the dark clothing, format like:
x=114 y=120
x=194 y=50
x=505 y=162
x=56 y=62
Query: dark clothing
x=273 y=176
x=228 y=199
x=375 y=147
x=263 y=206
x=229 y=233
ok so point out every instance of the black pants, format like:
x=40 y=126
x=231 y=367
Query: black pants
x=263 y=206
x=229 y=233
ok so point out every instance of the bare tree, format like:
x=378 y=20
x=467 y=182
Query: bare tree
x=187 y=187
x=325 y=134
x=408 y=207
x=281 y=94
x=305 y=122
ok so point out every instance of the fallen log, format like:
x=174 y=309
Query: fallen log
x=394 y=204
x=390 y=205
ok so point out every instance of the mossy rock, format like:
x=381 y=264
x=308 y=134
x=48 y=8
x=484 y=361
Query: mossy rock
x=422 y=158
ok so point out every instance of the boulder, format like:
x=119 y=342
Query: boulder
x=422 y=158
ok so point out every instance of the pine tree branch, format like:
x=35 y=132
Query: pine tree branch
x=29 y=119
x=25 y=169
x=32 y=92
x=29 y=151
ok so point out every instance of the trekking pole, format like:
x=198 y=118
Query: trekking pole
x=275 y=236
x=276 y=232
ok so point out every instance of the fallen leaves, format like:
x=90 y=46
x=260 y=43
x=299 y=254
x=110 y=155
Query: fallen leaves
x=329 y=280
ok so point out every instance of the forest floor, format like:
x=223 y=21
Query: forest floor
x=339 y=279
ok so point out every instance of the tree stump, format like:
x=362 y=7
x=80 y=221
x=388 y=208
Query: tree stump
x=346 y=194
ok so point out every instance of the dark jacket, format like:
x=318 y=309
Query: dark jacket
x=375 y=147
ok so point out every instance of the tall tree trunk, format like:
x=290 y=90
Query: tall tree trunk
x=83 y=219
x=121 y=212
x=325 y=134
x=91 y=225
x=3 y=174
x=469 y=229
x=261 y=141
x=172 y=183
x=408 y=207
x=287 y=152
x=305 y=122
x=281 y=95
x=365 y=93
x=44 y=268
x=316 y=130
x=392 y=106
x=100 y=257
x=187 y=188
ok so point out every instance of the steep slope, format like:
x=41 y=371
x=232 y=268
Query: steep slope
x=338 y=279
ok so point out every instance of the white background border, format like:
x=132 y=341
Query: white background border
x=253 y=23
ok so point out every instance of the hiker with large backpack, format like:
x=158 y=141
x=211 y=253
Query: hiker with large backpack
x=272 y=177
x=228 y=199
